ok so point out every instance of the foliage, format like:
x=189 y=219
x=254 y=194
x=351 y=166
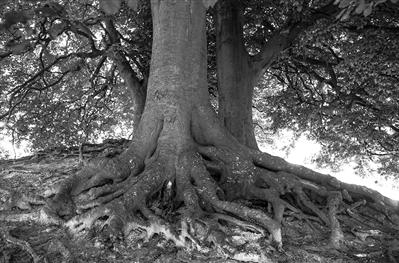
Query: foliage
x=350 y=7
x=60 y=83
x=340 y=82
x=59 y=80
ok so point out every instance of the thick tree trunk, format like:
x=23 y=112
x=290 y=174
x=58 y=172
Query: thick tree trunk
x=235 y=74
x=184 y=165
x=181 y=156
x=238 y=72
x=177 y=82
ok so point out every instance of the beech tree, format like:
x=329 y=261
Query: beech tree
x=183 y=160
x=242 y=59
x=298 y=45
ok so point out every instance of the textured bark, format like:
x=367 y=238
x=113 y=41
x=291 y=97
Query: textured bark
x=235 y=74
x=238 y=72
x=182 y=158
x=177 y=82
x=185 y=176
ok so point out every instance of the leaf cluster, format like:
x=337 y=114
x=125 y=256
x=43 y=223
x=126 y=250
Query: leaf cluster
x=340 y=83
x=59 y=83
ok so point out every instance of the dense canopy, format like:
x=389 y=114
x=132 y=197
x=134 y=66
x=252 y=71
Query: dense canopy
x=62 y=81
x=340 y=83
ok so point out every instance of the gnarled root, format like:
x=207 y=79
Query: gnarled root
x=20 y=243
x=206 y=189
x=265 y=177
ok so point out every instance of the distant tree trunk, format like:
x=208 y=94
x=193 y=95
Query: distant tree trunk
x=235 y=74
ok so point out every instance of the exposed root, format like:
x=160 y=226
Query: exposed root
x=158 y=226
x=278 y=164
x=393 y=247
x=21 y=200
x=314 y=193
x=80 y=223
x=40 y=216
x=336 y=236
x=20 y=243
x=205 y=189
x=56 y=246
x=309 y=204
x=243 y=224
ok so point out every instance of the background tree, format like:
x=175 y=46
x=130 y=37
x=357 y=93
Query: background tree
x=66 y=69
x=339 y=83
x=183 y=164
x=250 y=36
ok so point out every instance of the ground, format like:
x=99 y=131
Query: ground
x=26 y=183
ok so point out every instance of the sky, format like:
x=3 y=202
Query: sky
x=6 y=147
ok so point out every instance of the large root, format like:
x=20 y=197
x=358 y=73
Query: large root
x=5 y=234
x=193 y=195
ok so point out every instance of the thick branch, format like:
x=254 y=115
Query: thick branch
x=284 y=38
x=135 y=85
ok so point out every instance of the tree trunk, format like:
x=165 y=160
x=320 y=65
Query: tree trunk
x=235 y=74
x=238 y=72
x=182 y=157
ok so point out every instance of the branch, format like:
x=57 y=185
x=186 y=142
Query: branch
x=285 y=37
x=137 y=86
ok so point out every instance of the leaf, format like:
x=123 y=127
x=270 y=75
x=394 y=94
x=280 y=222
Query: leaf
x=394 y=1
x=110 y=7
x=209 y=3
x=132 y=4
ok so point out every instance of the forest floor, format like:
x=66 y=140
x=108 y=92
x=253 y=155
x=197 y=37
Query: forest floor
x=38 y=174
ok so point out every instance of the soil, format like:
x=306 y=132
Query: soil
x=23 y=180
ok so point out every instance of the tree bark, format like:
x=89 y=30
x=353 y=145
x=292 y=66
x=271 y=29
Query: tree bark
x=180 y=144
x=238 y=72
x=235 y=73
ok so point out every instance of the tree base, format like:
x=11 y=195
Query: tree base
x=211 y=190
x=211 y=211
